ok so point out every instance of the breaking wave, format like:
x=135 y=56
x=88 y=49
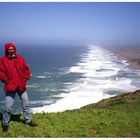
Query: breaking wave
x=102 y=75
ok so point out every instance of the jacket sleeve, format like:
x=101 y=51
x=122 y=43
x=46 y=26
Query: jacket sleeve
x=3 y=76
x=27 y=72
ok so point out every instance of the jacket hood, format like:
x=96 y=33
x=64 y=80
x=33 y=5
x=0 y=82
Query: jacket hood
x=8 y=45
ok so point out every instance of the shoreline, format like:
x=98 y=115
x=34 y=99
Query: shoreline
x=131 y=55
x=122 y=54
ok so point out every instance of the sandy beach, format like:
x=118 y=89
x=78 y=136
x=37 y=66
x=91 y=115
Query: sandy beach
x=131 y=54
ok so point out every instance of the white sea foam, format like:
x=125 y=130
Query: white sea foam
x=41 y=77
x=32 y=86
x=97 y=67
x=41 y=102
x=73 y=100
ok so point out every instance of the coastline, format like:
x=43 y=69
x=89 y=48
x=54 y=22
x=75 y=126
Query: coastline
x=99 y=120
x=131 y=55
x=123 y=53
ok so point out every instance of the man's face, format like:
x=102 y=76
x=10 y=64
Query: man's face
x=11 y=51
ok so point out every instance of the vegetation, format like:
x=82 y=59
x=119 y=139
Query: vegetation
x=114 y=117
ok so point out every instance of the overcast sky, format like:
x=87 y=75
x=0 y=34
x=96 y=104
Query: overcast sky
x=70 y=22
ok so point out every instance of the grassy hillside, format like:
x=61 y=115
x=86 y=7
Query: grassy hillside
x=114 y=117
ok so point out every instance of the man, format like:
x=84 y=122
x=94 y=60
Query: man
x=14 y=72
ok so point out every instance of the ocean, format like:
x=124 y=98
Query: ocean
x=70 y=77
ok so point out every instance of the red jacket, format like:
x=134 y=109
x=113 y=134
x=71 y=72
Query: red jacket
x=14 y=73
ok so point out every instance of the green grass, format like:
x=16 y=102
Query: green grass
x=115 y=117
